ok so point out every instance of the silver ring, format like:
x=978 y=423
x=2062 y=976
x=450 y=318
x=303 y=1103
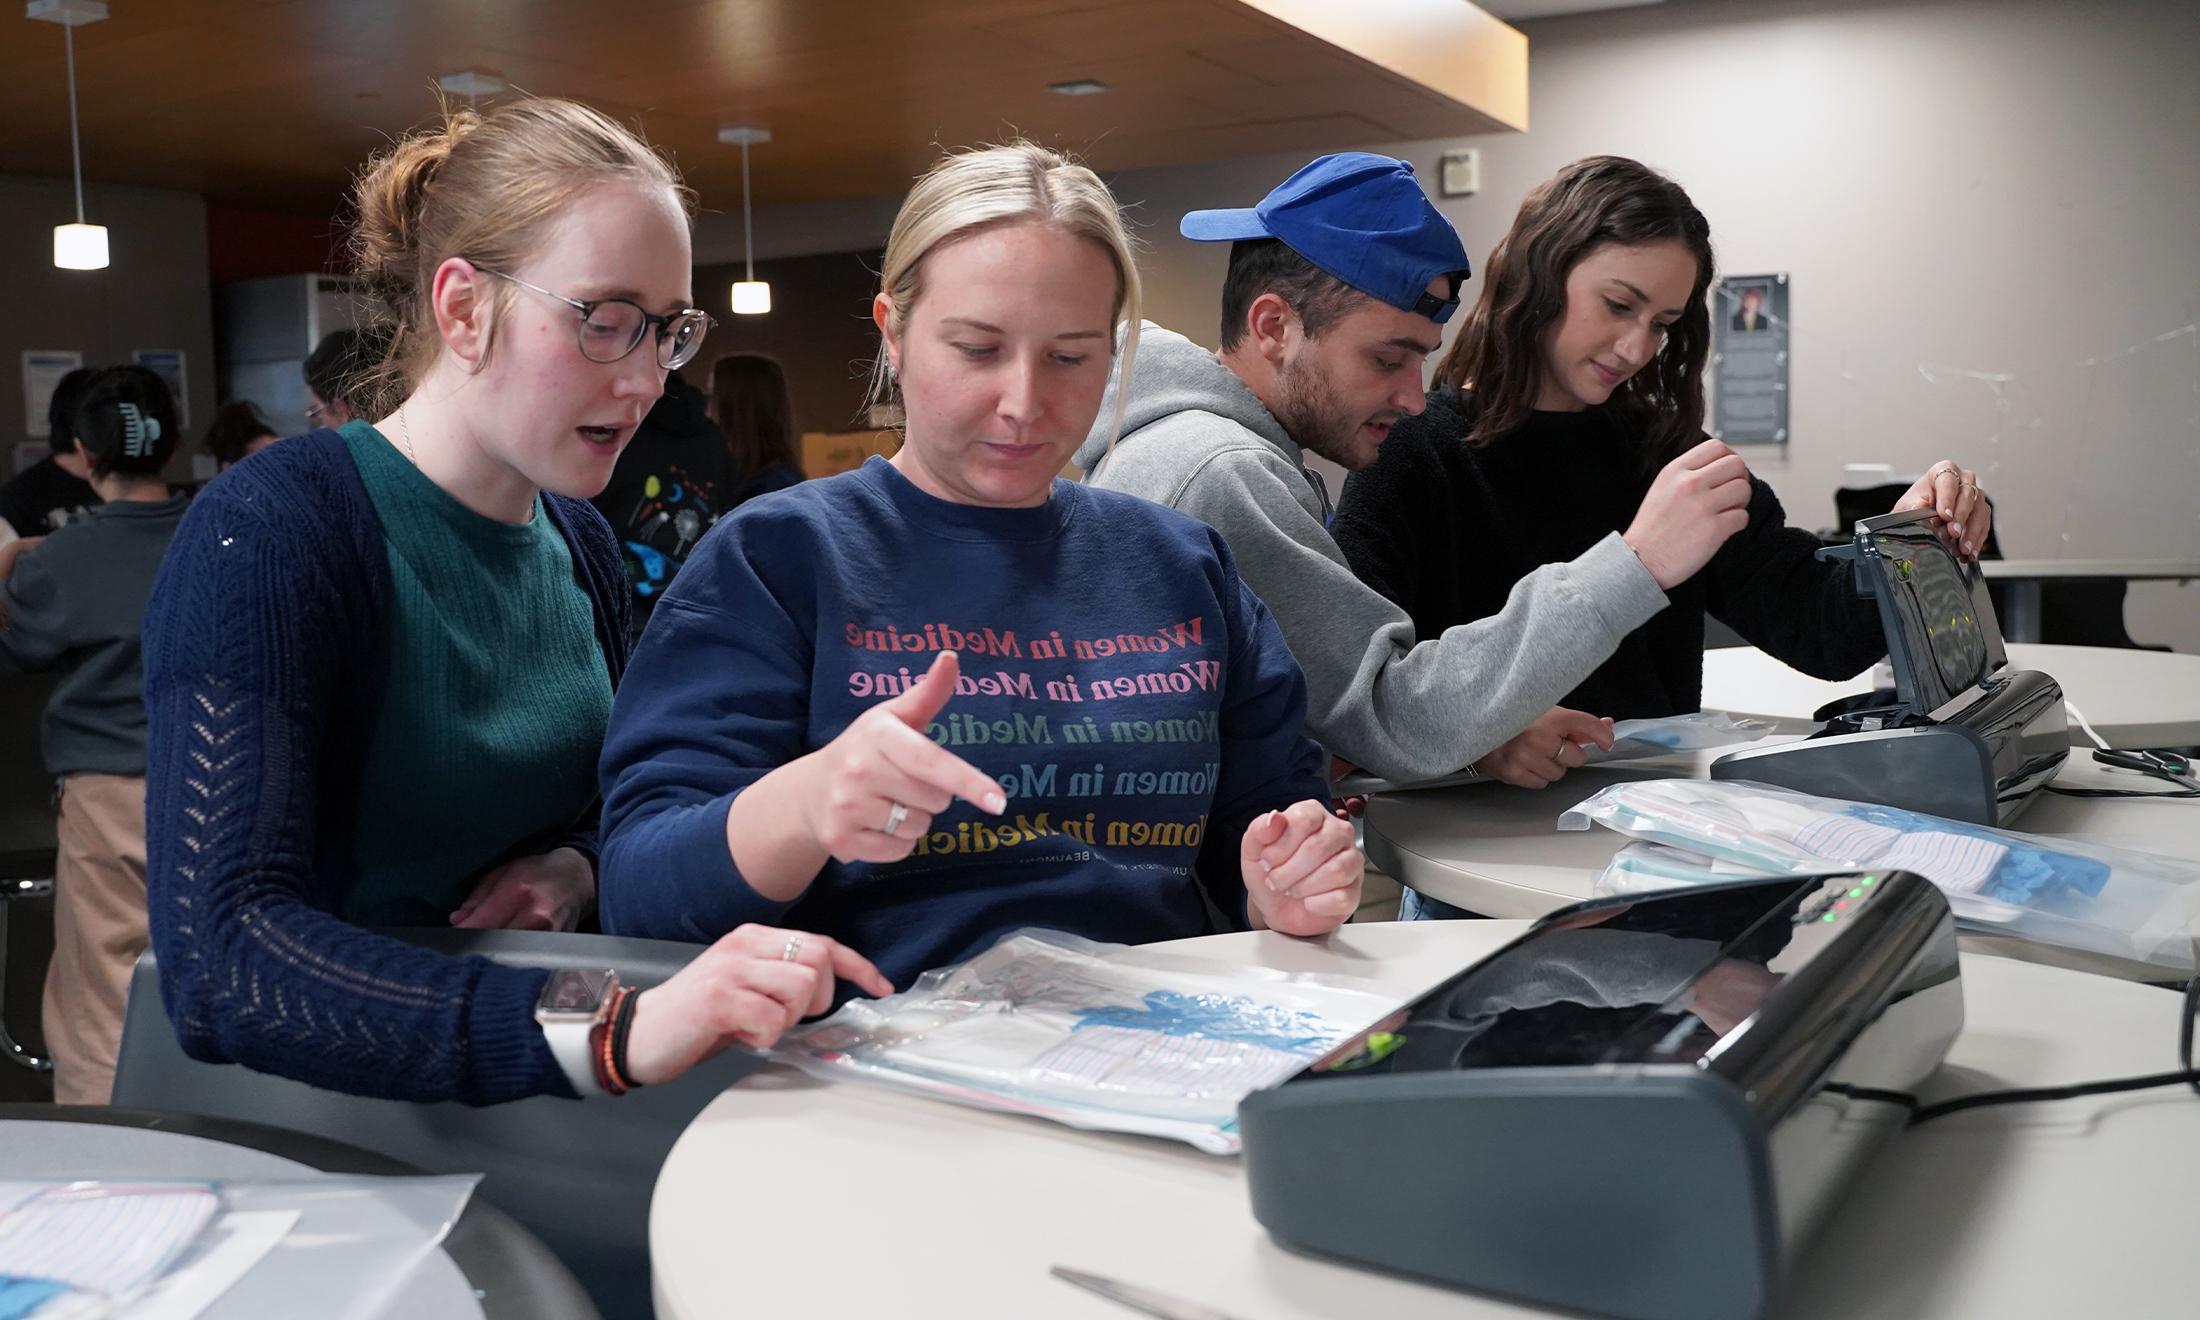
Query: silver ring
x=794 y=947
x=895 y=815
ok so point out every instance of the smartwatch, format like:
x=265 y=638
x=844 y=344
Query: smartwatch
x=574 y=1007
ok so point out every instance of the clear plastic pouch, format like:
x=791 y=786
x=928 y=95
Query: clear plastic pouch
x=2134 y=905
x=1092 y=1035
x=1632 y=740
x=351 y=1247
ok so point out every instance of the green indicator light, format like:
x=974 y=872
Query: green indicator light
x=1871 y=879
x=1829 y=917
x=1856 y=893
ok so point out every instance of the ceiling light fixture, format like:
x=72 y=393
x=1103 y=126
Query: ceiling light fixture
x=751 y=296
x=471 y=83
x=79 y=246
x=1078 y=87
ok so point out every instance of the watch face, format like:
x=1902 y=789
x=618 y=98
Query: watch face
x=575 y=993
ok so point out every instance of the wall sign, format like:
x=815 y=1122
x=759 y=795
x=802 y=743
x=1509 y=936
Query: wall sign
x=1749 y=359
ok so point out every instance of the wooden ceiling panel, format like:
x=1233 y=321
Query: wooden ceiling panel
x=274 y=103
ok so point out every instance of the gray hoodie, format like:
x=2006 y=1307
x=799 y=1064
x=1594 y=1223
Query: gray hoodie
x=1197 y=439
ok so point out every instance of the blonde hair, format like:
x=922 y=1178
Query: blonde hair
x=487 y=186
x=995 y=186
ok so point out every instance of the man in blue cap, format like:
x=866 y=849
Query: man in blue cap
x=1339 y=284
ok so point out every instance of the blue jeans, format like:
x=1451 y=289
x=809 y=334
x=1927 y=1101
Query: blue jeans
x=1414 y=905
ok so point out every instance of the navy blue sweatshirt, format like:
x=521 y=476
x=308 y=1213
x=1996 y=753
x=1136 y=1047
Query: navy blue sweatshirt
x=1133 y=698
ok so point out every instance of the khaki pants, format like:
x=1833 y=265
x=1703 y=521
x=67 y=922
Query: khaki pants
x=99 y=930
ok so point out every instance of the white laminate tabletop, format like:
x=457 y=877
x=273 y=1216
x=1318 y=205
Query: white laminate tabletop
x=790 y=1196
x=2133 y=698
x=2133 y=570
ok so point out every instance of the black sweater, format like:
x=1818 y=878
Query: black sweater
x=1446 y=530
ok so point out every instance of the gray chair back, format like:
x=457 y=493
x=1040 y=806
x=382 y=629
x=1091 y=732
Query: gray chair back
x=576 y=1174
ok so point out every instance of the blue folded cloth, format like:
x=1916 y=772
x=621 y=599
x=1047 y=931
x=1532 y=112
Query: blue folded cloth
x=2026 y=877
x=21 y=1297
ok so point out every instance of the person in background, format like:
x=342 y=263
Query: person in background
x=1558 y=415
x=338 y=373
x=670 y=486
x=1338 y=287
x=750 y=403
x=380 y=659
x=53 y=490
x=75 y=604
x=237 y=432
x=840 y=662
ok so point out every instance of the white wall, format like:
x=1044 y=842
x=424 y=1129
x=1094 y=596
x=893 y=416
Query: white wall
x=1990 y=210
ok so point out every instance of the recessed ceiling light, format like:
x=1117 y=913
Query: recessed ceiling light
x=1077 y=87
x=472 y=82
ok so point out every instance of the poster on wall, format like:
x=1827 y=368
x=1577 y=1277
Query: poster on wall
x=1749 y=359
x=167 y=363
x=43 y=369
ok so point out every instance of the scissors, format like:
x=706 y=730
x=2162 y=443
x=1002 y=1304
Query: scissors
x=1140 y=1299
x=2162 y=765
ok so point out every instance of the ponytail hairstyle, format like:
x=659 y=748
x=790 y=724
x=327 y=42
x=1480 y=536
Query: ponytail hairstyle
x=969 y=192
x=1499 y=352
x=488 y=186
x=127 y=423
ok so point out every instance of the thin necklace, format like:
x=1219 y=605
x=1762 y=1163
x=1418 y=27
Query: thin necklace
x=405 y=435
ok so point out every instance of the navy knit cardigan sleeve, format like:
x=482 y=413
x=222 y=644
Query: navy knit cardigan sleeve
x=264 y=647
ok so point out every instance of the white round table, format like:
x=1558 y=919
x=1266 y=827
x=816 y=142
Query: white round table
x=1497 y=850
x=789 y=1196
x=2133 y=698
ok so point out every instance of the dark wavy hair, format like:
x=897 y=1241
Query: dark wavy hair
x=1499 y=352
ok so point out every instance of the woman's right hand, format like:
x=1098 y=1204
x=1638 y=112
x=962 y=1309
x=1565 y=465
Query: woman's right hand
x=746 y=989
x=1541 y=754
x=875 y=788
x=1697 y=501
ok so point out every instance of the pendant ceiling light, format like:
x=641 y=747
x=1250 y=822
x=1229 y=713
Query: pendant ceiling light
x=751 y=296
x=79 y=246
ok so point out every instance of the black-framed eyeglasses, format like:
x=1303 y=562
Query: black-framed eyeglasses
x=611 y=328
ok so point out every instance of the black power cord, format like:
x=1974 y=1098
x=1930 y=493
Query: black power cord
x=2176 y=769
x=2185 y=1076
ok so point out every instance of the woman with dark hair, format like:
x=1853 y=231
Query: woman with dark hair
x=74 y=604
x=750 y=403
x=53 y=490
x=238 y=432
x=1573 y=388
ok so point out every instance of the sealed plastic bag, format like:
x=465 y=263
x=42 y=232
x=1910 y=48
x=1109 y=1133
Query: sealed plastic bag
x=2133 y=905
x=1632 y=740
x=1092 y=1035
x=352 y=1247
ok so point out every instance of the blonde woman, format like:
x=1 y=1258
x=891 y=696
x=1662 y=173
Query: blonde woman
x=380 y=659
x=924 y=703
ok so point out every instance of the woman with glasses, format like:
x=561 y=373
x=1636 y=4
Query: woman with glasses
x=925 y=703
x=380 y=658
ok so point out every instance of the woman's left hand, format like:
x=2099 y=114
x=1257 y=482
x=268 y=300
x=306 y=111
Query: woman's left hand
x=1952 y=492
x=1302 y=872
x=549 y=891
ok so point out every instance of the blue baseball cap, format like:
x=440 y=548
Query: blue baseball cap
x=1360 y=217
